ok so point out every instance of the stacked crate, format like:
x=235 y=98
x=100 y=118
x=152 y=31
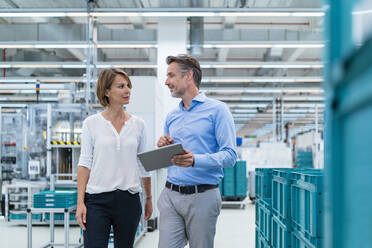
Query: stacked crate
x=234 y=183
x=307 y=208
x=281 y=199
x=241 y=178
x=220 y=186
x=304 y=160
x=229 y=181
x=293 y=206
x=23 y=216
x=263 y=207
x=59 y=216
x=61 y=198
x=263 y=182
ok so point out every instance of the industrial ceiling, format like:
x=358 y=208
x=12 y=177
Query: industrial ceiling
x=263 y=58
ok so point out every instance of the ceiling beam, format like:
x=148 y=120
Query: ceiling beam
x=269 y=101
x=12 y=4
x=263 y=3
x=77 y=53
x=155 y=12
x=262 y=79
x=258 y=64
x=242 y=86
x=228 y=24
x=137 y=22
x=285 y=3
x=248 y=128
x=221 y=58
x=262 y=90
x=294 y=55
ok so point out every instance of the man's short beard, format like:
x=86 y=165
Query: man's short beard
x=177 y=94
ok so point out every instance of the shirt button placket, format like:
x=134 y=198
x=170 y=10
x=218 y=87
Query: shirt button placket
x=184 y=118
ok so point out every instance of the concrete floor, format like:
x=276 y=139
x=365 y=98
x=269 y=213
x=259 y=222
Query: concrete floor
x=235 y=228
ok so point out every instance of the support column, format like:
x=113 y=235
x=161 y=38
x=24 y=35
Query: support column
x=172 y=40
x=91 y=55
x=316 y=140
x=49 y=139
x=281 y=120
x=274 y=121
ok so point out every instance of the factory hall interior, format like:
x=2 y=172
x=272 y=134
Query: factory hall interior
x=185 y=123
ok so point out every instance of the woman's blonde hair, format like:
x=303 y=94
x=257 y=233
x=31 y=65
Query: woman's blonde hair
x=105 y=79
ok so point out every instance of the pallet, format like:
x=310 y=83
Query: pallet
x=234 y=202
x=233 y=198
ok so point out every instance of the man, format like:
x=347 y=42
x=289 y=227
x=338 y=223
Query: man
x=190 y=203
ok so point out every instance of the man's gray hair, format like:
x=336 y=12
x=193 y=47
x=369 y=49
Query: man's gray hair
x=187 y=63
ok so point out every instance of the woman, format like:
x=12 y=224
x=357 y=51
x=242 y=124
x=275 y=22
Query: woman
x=109 y=172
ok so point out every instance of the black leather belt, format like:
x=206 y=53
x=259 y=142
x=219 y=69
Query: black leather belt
x=190 y=189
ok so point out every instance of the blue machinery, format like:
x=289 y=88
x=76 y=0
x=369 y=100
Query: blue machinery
x=348 y=147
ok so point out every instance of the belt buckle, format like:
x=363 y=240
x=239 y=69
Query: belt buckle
x=172 y=188
x=179 y=189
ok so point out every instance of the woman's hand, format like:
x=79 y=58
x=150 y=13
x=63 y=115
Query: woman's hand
x=148 y=208
x=81 y=210
x=81 y=215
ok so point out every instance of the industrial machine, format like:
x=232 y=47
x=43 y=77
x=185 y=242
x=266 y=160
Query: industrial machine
x=43 y=140
x=13 y=153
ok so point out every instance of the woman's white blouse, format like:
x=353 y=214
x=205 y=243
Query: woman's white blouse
x=112 y=157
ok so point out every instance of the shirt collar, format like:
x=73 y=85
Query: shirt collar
x=198 y=98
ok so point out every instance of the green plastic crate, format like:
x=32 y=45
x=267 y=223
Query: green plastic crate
x=60 y=198
x=263 y=182
x=263 y=217
x=303 y=240
x=307 y=202
x=281 y=192
x=261 y=242
x=304 y=160
x=60 y=216
x=220 y=186
x=280 y=233
x=23 y=216
x=241 y=178
x=229 y=181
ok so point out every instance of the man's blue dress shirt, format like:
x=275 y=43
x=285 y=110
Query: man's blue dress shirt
x=207 y=130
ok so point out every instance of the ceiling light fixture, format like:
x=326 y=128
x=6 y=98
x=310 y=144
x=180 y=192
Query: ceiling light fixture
x=163 y=12
x=261 y=79
x=67 y=45
x=179 y=14
x=298 y=46
x=248 y=65
x=237 y=46
x=114 y=14
x=247 y=105
x=362 y=12
x=60 y=46
x=34 y=14
x=118 y=45
x=263 y=45
x=138 y=66
x=274 y=80
x=6 y=46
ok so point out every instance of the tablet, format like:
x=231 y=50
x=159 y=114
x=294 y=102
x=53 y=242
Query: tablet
x=159 y=158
